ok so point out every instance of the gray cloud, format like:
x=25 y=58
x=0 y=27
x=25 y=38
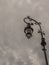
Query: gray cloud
x=14 y=46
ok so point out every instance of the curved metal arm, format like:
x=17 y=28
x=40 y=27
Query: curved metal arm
x=29 y=20
x=39 y=24
x=25 y=20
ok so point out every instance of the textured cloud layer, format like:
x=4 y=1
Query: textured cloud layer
x=15 y=49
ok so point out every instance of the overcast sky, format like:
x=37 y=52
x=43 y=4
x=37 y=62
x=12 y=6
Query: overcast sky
x=15 y=48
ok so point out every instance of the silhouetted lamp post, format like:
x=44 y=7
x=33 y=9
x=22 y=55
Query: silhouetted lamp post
x=29 y=30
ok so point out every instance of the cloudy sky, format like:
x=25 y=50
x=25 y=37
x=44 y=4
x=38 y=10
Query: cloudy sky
x=15 y=48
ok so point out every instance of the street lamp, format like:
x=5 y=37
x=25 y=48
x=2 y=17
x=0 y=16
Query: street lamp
x=29 y=31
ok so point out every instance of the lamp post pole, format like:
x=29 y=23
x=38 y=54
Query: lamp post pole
x=29 y=30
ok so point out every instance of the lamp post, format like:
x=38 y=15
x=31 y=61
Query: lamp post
x=29 y=30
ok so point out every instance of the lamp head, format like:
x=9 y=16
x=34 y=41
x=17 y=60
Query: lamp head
x=28 y=31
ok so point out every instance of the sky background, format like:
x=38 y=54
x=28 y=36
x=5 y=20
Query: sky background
x=15 y=48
